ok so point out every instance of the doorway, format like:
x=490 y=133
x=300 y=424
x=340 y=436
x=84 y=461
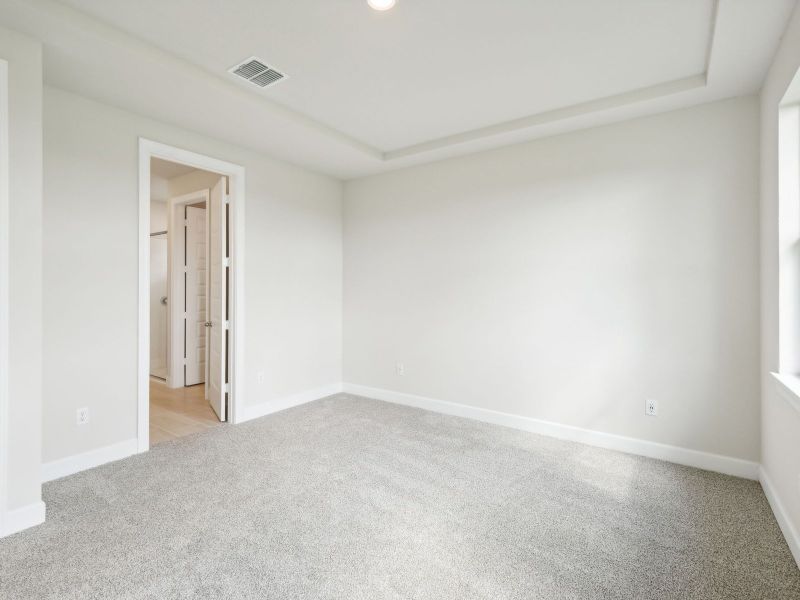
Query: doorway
x=191 y=317
x=179 y=395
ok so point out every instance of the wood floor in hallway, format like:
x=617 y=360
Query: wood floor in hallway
x=176 y=412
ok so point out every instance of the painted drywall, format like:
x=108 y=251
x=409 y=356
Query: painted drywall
x=158 y=215
x=191 y=182
x=159 y=189
x=570 y=279
x=293 y=281
x=24 y=57
x=780 y=421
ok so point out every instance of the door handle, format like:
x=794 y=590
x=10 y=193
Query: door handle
x=208 y=324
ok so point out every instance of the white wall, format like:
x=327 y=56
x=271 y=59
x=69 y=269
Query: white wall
x=191 y=182
x=159 y=189
x=293 y=280
x=569 y=279
x=24 y=57
x=780 y=435
x=158 y=215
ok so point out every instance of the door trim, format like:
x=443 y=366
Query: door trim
x=236 y=213
x=4 y=295
x=175 y=285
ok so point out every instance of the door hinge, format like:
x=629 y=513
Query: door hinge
x=226 y=262
x=227 y=388
x=227 y=199
x=227 y=324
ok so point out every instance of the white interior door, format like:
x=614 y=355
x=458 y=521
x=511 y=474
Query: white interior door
x=217 y=299
x=195 y=295
x=158 y=306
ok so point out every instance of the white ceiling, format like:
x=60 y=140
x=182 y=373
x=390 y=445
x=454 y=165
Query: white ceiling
x=370 y=91
x=429 y=69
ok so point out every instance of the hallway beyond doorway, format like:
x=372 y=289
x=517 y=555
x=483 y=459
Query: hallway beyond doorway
x=177 y=412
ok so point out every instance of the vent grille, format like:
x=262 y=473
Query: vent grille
x=257 y=72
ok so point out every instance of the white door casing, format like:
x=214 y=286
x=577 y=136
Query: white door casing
x=4 y=296
x=217 y=298
x=195 y=295
x=237 y=184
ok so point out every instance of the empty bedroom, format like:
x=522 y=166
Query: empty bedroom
x=394 y=299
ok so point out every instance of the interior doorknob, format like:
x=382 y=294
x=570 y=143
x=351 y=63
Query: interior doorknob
x=207 y=323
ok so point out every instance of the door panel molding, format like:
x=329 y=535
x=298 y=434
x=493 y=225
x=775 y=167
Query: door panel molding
x=195 y=294
x=175 y=244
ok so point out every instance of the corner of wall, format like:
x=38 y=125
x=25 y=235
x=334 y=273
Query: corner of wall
x=23 y=506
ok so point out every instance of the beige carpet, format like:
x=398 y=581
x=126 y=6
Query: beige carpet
x=352 y=498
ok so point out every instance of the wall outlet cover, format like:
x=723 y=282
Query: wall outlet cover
x=82 y=415
x=651 y=408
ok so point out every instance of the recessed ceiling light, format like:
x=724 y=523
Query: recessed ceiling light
x=381 y=4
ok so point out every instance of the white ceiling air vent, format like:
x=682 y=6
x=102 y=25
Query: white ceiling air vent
x=257 y=72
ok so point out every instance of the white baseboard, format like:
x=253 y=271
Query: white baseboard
x=789 y=532
x=682 y=456
x=21 y=518
x=87 y=460
x=267 y=408
x=100 y=456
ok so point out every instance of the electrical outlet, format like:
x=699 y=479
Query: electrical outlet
x=82 y=416
x=401 y=369
x=260 y=377
x=651 y=408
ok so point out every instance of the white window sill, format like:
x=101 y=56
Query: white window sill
x=789 y=388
